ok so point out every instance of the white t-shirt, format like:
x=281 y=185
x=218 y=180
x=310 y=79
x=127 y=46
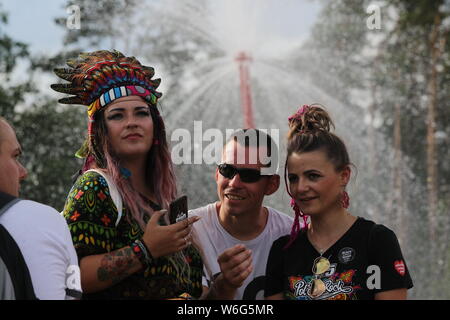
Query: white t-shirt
x=44 y=239
x=214 y=240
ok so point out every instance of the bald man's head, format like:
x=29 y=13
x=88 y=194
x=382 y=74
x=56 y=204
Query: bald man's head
x=11 y=171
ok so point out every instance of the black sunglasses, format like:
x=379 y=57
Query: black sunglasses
x=246 y=175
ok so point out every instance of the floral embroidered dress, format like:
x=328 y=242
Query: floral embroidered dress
x=91 y=215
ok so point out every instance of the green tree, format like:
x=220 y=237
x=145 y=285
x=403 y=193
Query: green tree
x=49 y=134
x=11 y=52
x=402 y=71
x=157 y=35
x=417 y=50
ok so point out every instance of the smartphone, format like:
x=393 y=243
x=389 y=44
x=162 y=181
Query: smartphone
x=178 y=210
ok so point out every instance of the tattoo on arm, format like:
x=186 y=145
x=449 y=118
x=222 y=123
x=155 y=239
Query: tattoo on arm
x=118 y=265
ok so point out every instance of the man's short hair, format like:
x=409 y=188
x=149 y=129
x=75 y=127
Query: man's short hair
x=256 y=138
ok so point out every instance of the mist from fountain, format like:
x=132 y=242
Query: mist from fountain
x=211 y=88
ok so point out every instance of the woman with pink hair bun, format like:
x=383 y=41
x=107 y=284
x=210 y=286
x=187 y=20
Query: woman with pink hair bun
x=332 y=254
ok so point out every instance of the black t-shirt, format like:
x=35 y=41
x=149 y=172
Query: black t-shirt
x=366 y=260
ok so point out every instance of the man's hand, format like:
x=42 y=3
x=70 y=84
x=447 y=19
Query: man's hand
x=235 y=266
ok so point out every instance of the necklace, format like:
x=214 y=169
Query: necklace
x=347 y=225
x=319 y=250
x=317 y=286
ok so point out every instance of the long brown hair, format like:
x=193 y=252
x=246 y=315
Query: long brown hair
x=159 y=170
x=159 y=174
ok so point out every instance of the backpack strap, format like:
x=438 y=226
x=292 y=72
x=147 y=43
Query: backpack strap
x=7 y=201
x=18 y=271
x=12 y=261
x=113 y=191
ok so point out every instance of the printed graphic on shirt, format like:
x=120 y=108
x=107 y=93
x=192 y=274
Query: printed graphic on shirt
x=339 y=286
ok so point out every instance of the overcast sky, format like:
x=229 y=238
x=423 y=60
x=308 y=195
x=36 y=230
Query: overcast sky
x=32 y=22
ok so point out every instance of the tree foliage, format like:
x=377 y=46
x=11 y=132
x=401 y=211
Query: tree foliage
x=49 y=134
x=11 y=52
x=392 y=69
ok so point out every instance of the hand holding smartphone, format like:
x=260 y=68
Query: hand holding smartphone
x=178 y=210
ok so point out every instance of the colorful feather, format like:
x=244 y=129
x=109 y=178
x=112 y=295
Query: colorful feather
x=93 y=73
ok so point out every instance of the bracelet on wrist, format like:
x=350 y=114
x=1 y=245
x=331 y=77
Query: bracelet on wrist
x=146 y=249
x=142 y=253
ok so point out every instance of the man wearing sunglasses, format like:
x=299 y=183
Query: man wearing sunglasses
x=236 y=232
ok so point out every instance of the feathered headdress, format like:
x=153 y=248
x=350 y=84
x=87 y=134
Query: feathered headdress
x=98 y=78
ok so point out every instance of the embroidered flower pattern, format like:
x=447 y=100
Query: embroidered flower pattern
x=91 y=216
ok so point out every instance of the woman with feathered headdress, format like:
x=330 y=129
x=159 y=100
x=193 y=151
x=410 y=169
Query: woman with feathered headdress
x=129 y=252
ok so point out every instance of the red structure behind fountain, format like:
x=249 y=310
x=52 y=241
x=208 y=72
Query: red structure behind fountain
x=246 y=94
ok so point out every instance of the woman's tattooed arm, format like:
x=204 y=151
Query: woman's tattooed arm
x=118 y=265
x=99 y=272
